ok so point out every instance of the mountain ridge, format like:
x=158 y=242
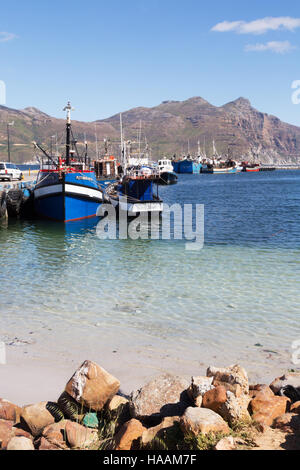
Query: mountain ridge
x=170 y=128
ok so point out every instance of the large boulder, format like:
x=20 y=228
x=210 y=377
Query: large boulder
x=232 y=375
x=199 y=386
x=202 y=421
x=129 y=432
x=9 y=411
x=288 y=385
x=92 y=386
x=215 y=398
x=261 y=391
x=164 y=396
x=20 y=443
x=266 y=409
x=37 y=417
x=235 y=409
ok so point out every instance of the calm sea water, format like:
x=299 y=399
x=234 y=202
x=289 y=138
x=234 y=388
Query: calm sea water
x=153 y=305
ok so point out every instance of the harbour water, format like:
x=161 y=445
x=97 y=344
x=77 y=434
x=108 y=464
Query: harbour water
x=142 y=306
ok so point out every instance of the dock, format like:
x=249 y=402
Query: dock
x=28 y=181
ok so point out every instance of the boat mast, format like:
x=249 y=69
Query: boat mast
x=96 y=139
x=123 y=147
x=68 y=108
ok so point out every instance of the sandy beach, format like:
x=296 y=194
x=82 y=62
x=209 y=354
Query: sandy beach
x=29 y=376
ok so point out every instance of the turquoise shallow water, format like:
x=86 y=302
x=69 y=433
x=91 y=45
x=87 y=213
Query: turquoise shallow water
x=238 y=299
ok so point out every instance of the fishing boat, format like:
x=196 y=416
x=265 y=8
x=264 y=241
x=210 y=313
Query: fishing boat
x=67 y=188
x=250 y=167
x=166 y=174
x=135 y=193
x=220 y=170
x=189 y=166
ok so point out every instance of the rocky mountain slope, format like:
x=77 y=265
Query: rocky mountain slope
x=170 y=128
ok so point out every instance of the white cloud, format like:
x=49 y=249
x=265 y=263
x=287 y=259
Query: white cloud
x=5 y=37
x=259 y=26
x=279 y=47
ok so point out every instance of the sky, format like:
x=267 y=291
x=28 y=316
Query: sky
x=110 y=56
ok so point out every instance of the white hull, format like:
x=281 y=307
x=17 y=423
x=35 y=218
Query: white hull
x=134 y=208
x=69 y=189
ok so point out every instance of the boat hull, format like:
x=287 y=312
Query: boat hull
x=166 y=178
x=224 y=170
x=189 y=167
x=73 y=197
x=136 y=208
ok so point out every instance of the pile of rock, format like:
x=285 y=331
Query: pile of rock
x=207 y=405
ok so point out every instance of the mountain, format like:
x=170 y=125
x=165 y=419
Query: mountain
x=249 y=133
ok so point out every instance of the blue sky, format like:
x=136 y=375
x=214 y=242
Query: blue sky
x=109 y=56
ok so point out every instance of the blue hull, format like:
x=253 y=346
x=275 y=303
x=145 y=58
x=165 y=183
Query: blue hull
x=175 y=166
x=187 y=166
x=75 y=196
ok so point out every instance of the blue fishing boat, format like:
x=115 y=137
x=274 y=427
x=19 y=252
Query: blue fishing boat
x=175 y=164
x=67 y=189
x=187 y=166
x=135 y=192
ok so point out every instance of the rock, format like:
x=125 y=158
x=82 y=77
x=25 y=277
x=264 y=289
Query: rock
x=227 y=443
x=78 y=436
x=37 y=417
x=295 y=408
x=20 y=443
x=261 y=391
x=9 y=411
x=202 y=420
x=266 y=409
x=235 y=408
x=289 y=423
x=151 y=433
x=236 y=389
x=199 y=386
x=233 y=375
x=19 y=432
x=213 y=399
x=116 y=402
x=129 y=432
x=53 y=437
x=164 y=396
x=46 y=445
x=289 y=383
x=5 y=432
x=92 y=386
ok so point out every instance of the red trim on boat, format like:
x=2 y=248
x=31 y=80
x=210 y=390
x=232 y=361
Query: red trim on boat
x=81 y=218
x=68 y=171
